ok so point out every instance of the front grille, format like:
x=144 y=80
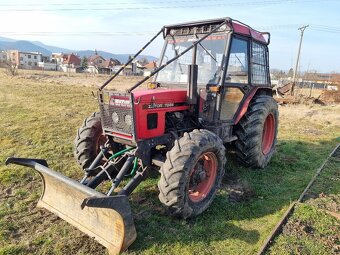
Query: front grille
x=107 y=122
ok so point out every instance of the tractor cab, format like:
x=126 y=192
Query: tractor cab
x=232 y=62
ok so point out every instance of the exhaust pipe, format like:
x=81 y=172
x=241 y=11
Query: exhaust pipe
x=192 y=93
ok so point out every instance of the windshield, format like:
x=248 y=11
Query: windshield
x=209 y=58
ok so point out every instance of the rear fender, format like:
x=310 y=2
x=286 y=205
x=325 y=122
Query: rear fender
x=247 y=100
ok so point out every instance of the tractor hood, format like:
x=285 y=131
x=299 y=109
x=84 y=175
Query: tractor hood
x=150 y=108
x=159 y=98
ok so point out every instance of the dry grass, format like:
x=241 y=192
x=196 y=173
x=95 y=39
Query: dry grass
x=121 y=83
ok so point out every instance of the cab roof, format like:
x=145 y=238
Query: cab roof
x=236 y=26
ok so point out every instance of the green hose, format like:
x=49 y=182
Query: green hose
x=134 y=168
x=135 y=162
x=119 y=153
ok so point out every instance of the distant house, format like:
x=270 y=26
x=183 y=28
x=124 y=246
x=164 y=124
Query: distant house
x=94 y=62
x=115 y=62
x=48 y=65
x=57 y=58
x=139 y=65
x=107 y=66
x=130 y=69
x=149 y=67
x=3 y=58
x=71 y=63
x=71 y=59
x=25 y=60
x=98 y=64
x=323 y=77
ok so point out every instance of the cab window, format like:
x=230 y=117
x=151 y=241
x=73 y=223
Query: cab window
x=237 y=70
x=259 y=64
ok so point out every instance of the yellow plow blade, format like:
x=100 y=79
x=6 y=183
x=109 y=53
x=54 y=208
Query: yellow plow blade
x=107 y=219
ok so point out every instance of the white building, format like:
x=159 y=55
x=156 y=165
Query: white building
x=25 y=60
x=3 y=55
x=3 y=58
x=48 y=66
x=29 y=60
x=57 y=58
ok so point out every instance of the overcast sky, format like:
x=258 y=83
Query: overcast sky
x=124 y=26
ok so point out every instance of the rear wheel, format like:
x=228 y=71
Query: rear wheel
x=89 y=138
x=256 y=132
x=192 y=173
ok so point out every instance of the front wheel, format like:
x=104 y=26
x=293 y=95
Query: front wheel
x=192 y=173
x=88 y=140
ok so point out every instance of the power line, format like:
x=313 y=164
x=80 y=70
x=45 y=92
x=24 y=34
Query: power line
x=110 y=3
x=325 y=28
x=142 y=33
x=119 y=8
x=327 y=31
x=315 y=27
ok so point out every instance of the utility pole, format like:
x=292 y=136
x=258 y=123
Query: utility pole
x=302 y=29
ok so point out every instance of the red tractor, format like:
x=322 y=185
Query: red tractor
x=211 y=89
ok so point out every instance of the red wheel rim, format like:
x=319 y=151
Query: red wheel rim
x=202 y=177
x=101 y=141
x=268 y=134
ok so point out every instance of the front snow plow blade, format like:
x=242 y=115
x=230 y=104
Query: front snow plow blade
x=108 y=219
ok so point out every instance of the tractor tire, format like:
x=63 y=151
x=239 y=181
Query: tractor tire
x=88 y=140
x=192 y=173
x=256 y=132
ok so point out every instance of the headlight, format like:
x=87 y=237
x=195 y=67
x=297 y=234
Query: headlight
x=128 y=120
x=115 y=117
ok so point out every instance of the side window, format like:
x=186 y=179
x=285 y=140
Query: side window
x=237 y=70
x=230 y=103
x=259 y=64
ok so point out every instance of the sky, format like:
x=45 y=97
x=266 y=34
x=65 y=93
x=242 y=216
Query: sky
x=124 y=26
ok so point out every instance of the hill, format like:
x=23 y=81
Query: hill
x=47 y=50
x=23 y=46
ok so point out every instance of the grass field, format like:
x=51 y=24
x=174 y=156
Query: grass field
x=39 y=117
x=314 y=226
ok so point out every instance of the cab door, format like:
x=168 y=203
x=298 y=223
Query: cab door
x=236 y=79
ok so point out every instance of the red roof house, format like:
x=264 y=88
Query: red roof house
x=71 y=59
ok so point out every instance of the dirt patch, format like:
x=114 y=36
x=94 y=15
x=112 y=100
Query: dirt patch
x=309 y=230
x=329 y=202
x=330 y=96
x=326 y=97
x=238 y=190
x=307 y=100
x=300 y=99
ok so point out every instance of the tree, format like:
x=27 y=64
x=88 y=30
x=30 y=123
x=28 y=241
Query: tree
x=11 y=67
x=278 y=74
x=290 y=73
x=84 y=63
x=143 y=61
